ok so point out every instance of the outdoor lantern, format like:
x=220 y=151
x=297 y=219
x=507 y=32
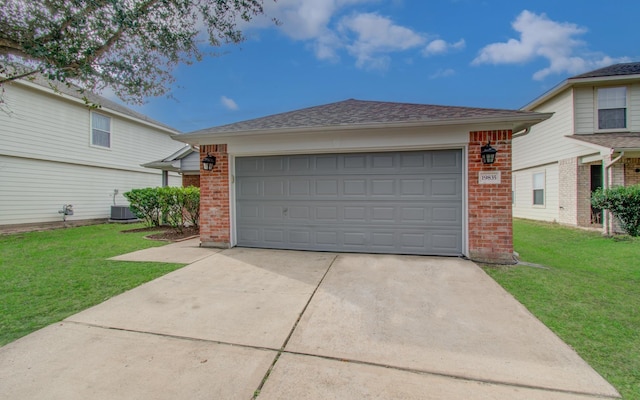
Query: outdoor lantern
x=208 y=162
x=488 y=153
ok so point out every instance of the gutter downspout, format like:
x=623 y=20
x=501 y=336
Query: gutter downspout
x=605 y=185
x=521 y=133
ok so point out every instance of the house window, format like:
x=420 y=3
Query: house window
x=538 y=189
x=100 y=130
x=612 y=108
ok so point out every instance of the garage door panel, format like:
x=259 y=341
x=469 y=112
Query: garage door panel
x=373 y=240
x=379 y=202
x=441 y=214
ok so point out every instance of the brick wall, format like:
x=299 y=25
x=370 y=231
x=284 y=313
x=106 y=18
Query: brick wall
x=583 y=188
x=631 y=177
x=190 y=180
x=214 y=199
x=568 y=191
x=490 y=209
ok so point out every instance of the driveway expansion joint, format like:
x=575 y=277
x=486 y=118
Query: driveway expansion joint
x=449 y=376
x=169 y=336
x=295 y=325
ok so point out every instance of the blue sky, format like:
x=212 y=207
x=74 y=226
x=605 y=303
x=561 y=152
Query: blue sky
x=492 y=53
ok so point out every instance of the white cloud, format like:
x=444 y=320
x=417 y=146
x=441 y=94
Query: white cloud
x=442 y=73
x=440 y=46
x=375 y=37
x=331 y=27
x=541 y=37
x=230 y=104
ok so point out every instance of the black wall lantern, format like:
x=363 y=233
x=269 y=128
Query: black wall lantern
x=208 y=162
x=488 y=153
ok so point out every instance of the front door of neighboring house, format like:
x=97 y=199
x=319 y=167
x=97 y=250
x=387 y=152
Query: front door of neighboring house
x=596 y=183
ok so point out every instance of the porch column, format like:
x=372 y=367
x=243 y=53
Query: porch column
x=490 y=209
x=215 y=217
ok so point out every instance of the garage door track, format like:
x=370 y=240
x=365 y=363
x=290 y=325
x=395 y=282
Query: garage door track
x=273 y=324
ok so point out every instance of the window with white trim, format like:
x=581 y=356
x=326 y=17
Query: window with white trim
x=100 y=130
x=612 y=108
x=538 y=189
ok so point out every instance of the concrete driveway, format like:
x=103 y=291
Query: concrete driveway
x=275 y=324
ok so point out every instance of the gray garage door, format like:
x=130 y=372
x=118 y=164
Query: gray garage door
x=401 y=202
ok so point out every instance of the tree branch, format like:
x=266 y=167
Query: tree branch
x=19 y=76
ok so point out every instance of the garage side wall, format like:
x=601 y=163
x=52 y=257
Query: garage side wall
x=214 y=198
x=490 y=209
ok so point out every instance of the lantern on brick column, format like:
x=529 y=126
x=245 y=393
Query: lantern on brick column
x=488 y=153
x=208 y=162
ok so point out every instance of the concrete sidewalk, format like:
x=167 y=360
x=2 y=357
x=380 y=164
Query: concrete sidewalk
x=275 y=324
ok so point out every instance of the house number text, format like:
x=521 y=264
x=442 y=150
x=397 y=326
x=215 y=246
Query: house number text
x=488 y=178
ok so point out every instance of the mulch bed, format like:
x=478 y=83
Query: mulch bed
x=166 y=233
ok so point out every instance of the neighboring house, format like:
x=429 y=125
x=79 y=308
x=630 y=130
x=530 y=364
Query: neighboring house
x=55 y=151
x=592 y=141
x=185 y=161
x=363 y=176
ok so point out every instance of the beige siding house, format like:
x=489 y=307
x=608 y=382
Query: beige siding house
x=592 y=141
x=55 y=151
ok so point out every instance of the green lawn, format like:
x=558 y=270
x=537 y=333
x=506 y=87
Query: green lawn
x=47 y=276
x=589 y=295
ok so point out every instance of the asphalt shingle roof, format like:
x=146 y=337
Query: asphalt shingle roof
x=360 y=112
x=611 y=140
x=612 y=70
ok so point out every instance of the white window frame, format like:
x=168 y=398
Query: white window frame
x=535 y=187
x=599 y=106
x=93 y=129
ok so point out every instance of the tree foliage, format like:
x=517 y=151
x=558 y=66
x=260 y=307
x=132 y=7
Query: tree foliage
x=624 y=204
x=130 y=46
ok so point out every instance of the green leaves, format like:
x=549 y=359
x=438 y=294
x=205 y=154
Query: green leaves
x=624 y=204
x=176 y=206
x=130 y=46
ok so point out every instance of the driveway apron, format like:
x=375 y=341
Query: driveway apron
x=273 y=324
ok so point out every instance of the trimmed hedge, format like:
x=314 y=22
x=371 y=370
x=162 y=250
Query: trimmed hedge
x=624 y=204
x=175 y=206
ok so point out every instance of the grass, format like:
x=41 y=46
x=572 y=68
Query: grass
x=589 y=295
x=47 y=276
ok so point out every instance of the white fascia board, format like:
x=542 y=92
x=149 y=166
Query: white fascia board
x=591 y=158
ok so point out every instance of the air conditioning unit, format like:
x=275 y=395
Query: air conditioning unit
x=122 y=213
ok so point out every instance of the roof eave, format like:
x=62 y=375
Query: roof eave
x=516 y=123
x=568 y=83
x=604 y=150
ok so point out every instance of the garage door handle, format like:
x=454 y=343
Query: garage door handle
x=285 y=211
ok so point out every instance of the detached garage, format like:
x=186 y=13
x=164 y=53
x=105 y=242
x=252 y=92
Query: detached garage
x=363 y=176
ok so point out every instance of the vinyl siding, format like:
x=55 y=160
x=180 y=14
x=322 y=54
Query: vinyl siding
x=46 y=159
x=45 y=125
x=585 y=110
x=34 y=190
x=586 y=114
x=546 y=142
x=191 y=163
x=634 y=108
x=523 y=183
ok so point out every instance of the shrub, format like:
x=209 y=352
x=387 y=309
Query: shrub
x=175 y=206
x=192 y=205
x=145 y=204
x=624 y=204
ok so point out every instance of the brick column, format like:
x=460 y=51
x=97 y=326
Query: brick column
x=214 y=199
x=490 y=209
